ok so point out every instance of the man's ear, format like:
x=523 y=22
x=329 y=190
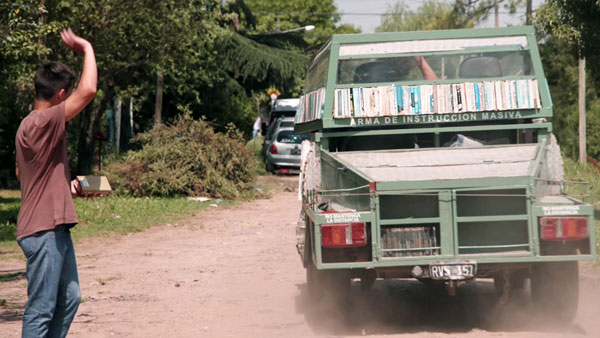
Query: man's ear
x=58 y=97
x=61 y=95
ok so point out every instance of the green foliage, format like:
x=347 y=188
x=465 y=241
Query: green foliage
x=247 y=59
x=434 y=14
x=574 y=21
x=575 y=24
x=218 y=72
x=590 y=174
x=560 y=67
x=22 y=37
x=102 y=216
x=437 y=14
x=187 y=158
x=293 y=14
x=10 y=202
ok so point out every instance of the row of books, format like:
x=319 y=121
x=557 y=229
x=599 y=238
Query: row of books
x=436 y=99
x=311 y=106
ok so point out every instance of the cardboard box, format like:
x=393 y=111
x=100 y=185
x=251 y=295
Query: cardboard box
x=94 y=184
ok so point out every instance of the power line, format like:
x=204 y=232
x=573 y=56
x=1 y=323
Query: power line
x=354 y=13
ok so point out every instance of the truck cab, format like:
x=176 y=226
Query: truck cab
x=432 y=157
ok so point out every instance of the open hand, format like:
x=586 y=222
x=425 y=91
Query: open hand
x=74 y=42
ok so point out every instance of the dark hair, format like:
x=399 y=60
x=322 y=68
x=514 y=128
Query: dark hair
x=52 y=77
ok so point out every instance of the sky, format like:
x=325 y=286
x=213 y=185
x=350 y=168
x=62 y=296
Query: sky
x=368 y=23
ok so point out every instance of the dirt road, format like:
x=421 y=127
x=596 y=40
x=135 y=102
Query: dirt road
x=234 y=272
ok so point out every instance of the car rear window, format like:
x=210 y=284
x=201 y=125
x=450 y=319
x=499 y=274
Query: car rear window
x=283 y=113
x=288 y=136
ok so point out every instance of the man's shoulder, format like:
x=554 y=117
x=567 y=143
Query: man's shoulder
x=40 y=117
x=40 y=121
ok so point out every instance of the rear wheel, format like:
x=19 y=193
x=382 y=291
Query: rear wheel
x=269 y=167
x=516 y=281
x=327 y=285
x=555 y=290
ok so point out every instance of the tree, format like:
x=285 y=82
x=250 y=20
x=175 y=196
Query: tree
x=22 y=45
x=273 y=15
x=436 y=14
x=258 y=56
x=432 y=14
x=191 y=46
x=576 y=27
x=137 y=42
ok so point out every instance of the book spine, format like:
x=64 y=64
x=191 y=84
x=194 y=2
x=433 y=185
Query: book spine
x=399 y=99
x=498 y=91
x=435 y=103
x=459 y=98
x=407 y=102
x=424 y=95
x=476 y=93
x=463 y=94
x=431 y=99
x=536 y=95
x=392 y=100
x=448 y=95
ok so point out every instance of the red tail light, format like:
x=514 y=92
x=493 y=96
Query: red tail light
x=343 y=235
x=273 y=149
x=563 y=228
x=283 y=171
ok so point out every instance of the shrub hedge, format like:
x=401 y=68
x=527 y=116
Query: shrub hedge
x=187 y=158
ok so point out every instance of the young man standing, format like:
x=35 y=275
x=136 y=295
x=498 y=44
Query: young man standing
x=47 y=212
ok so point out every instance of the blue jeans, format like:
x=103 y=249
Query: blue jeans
x=53 y=285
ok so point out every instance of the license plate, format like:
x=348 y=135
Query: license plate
x=295 y=151
x=452 y=271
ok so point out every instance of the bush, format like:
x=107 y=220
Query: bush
x=187 y=158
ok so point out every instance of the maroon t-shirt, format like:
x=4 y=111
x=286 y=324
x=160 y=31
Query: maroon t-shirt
x=44 y=172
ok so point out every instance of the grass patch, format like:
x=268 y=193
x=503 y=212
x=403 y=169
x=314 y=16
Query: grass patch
x=122 y=215
x=104 y=216
x=256 y=147
x=577 y=172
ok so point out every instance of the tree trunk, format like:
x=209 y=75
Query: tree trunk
x=582 y=117
x=118 y=119
x=159 y=98
x=131 y=116
x=88 y=121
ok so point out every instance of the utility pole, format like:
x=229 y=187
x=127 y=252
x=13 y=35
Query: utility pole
x=528 y=12
x=582 y=122
x=496 y=17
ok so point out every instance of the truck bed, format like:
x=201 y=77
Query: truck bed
x=442 y=163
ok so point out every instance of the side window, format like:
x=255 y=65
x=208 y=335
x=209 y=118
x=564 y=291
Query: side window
x=317 y=73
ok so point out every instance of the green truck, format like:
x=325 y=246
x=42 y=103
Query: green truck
x=432 y=157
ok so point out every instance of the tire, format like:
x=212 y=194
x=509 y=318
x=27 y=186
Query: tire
x=554 y=164
x=367 y=279
x=555 y=290
x=327 y=285
x=517 y=282
x=269 y=167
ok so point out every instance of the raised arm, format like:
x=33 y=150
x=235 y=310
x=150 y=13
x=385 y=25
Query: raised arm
x=86 y=89
x=428 y=73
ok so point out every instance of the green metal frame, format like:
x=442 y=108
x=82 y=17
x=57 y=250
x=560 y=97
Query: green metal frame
x=324 y=130
x=328 y=122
